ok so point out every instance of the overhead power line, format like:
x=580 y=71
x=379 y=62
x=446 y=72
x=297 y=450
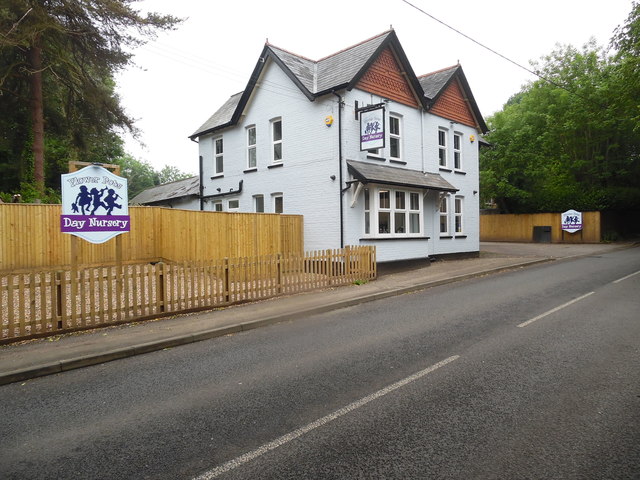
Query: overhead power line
x=493 y=51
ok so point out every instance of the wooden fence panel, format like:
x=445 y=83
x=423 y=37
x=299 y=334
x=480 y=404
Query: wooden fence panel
x=54 y=301
x=519 y=228
x=30 y=237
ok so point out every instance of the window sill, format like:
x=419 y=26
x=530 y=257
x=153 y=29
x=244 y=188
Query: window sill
x=446 y=237
x=386 y=238
x=249 y=170
x=220 y=175
x=400 y=162
x=375 y=157
x=460 y=172
x=445 y=169
x=275 y=165
x=460 y=236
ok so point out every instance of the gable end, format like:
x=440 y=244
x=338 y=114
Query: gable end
x=452 y=104
x=385 y=78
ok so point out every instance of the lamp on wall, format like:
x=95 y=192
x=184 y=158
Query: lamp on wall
x=472 y=138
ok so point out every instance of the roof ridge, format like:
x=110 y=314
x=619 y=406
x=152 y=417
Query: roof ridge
x=357 y=44
x=438 y=71
x=290 y=52
x=190 y=177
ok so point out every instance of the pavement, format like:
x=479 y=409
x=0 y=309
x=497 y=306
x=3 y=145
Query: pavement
x=46 y=356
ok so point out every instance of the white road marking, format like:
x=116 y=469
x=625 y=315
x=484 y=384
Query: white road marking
x=564 y=305
x=624 y=278
x=278 y=442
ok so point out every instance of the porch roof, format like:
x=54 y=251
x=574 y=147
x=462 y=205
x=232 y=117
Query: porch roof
x=371 y=173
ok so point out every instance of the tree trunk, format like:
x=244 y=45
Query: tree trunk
x=37 y=116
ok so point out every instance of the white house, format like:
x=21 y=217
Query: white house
x=301 y=139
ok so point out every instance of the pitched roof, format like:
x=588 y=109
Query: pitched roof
x=374 y=173
x=340 y=70
x=433 y=83
x=168 y=191
x=222 y=116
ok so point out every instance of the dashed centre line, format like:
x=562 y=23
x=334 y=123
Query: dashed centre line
x=564 y=305
x=278 y=442
x=628 y=276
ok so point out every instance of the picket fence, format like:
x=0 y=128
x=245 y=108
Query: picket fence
x=49 y=302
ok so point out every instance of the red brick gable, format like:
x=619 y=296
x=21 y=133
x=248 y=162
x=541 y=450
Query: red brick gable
x=452 y=104
x=384 y=77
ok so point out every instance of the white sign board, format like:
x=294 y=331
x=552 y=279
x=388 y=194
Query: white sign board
x=94 y=204
x=372 y=129
x=571 y=221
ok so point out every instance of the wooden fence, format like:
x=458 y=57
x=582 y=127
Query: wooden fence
x=30 y=237
x=519 y=228
x=53 y=301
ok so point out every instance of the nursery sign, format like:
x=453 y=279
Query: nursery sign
x=372 y=128
x=94 y=204
x=571 y=221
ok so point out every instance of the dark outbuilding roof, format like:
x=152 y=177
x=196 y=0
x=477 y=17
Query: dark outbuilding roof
x=382 y=174
x=168 y=191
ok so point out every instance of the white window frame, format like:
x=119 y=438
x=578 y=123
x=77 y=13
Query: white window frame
x=457 y=151
x=252 y=149
x=218 y=155
x=217 y=206
x=393 y=210
x=367 y=211
x=458 y=215
x=443 y=154
x=233 y=205
x=258 y=203
x=395 y=136
x=274 y=202
x=275 y=143
x=443 y=218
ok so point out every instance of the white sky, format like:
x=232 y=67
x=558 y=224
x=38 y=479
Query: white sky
x=185 y=75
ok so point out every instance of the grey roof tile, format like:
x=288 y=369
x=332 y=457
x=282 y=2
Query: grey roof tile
x=385 y=175
x=222 y=116
x=432 y=83
x=178 y=189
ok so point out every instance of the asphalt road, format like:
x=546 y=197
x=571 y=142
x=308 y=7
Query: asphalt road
x=487 y=378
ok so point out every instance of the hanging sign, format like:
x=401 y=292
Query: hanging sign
x=372 y=128
x=571 y=221
x=94 y=204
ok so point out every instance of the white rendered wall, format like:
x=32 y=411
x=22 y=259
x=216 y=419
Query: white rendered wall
x=310 y=158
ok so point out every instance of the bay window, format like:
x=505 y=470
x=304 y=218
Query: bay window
x=392 y=212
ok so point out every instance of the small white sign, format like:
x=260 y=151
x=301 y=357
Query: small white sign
x=571 y=221
x=95 y=204
x=372 y=129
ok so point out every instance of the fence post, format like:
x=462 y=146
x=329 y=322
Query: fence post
x=160 y=287
x=347 y=262
x=279 y=272
x=227 y=291
x=58 y=282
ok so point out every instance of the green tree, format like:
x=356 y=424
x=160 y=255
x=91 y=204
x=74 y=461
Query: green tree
x=58 y=62
x=169 y=173
x=567 y=143
x=140 y=174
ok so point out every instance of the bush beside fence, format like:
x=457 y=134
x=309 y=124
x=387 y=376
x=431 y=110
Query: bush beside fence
x=49 y=302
